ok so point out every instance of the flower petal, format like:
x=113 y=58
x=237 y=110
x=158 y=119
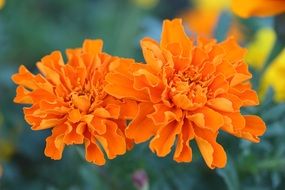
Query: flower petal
x=164 y=139
x=74 y=133
x=207 y=118
x=254 y=127
x=54 y=143
x=173 y=32
x=152 y=55
x=113 y=140
x=164 y=114
x=221 y=104
x=141 y=128
x=233 y=52
x=233 y=122
x=121 y=87
x=128 y=109
x=93 y=153
x=92 y=46
x=212 y=152
x=26 y=79
x=183 y=152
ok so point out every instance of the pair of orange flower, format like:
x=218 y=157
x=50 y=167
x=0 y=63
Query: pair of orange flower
x=187 y=90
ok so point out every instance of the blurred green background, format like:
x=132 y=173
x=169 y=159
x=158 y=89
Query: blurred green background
x=31 y=29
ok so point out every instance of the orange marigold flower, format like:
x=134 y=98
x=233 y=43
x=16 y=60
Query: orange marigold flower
x=69 y=98
x=245 y=8
x=187 y=91
x=202 y=22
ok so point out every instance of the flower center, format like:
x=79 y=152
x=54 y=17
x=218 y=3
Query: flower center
x=189 y=89
x=82 y=102
x=85 y=99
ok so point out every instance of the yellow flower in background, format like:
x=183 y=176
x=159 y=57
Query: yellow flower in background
x=146 y=4
x=205 y=16
x=2 y=3
x=7 y=149
x=274 y=76
x=1 y=171
x=261 y=8
x=260 y=49
x=210 y=4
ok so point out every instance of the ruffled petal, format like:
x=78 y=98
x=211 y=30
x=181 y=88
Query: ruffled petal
x=152 y=55
x=226 y=69
x=74 y=133
x=212 y=152
x=247 y=95
x=233 y=122
x=254 y=127
x=173 y=32
x=219 y=85
x=120 y=86
x=22 y=96
x=146 y=81
x=183 y=152
x=164 y=139
x=233 y=52
x=92 y=46
x=55 y=144
x=221 y=104
x=50 y=67
x=30 y=81
x=164 y=114
x=142 y=127
x=207 y=118
x=128 y=109
x=112 y=140
x=40 y=121
x=93 y=153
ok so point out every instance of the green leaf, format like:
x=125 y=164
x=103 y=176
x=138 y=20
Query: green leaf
x=230 y=176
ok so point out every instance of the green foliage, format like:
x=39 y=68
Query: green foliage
x=31 y=29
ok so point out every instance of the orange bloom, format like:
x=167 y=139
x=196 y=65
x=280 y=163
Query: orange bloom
x=204 y=18
x=69 y=99
x=245 y=8
x=202 y=22
x=187 y=91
